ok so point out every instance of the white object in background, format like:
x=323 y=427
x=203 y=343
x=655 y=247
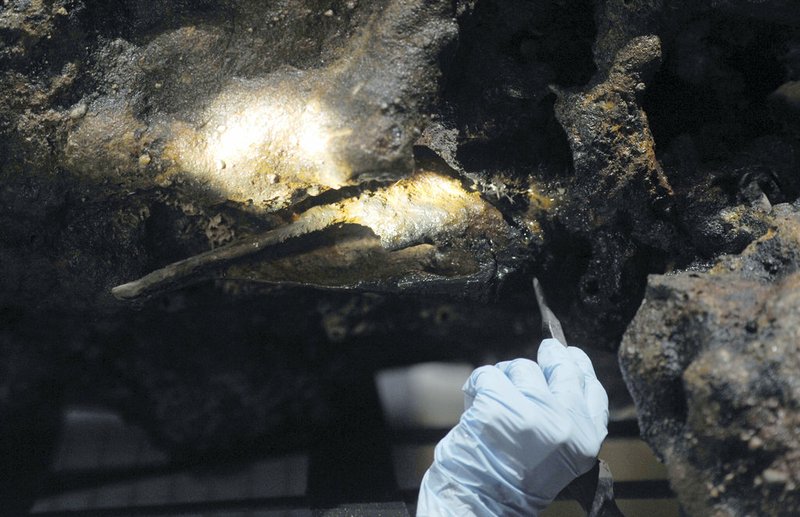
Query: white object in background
x=423 y=395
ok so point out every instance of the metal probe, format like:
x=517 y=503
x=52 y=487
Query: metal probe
x=593 y=490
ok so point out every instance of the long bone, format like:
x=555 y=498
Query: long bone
x=424 y=206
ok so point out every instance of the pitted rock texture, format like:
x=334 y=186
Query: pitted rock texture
x=711 y=360
x=609 y=140
x=616 y=171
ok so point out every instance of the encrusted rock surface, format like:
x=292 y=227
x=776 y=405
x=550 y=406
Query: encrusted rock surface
x=712 y=360
x=620 y=193
x=596 y=142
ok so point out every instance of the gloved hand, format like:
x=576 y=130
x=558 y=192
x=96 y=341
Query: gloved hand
x=527 y=430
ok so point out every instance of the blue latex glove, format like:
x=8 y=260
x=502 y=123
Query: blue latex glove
x=527 y=430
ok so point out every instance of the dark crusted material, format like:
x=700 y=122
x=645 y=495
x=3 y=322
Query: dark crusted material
x=711 y=360
x=592 y=144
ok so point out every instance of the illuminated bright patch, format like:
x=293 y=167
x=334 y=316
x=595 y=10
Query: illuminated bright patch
x=261 y=142
x=407 y=212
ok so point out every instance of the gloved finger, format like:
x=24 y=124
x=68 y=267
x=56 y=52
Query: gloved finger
x=595 y=394
x=488 y=380
x=527 y=377
x=583 y=361
x=597 y=402
x=564 y=378
x=468 y=401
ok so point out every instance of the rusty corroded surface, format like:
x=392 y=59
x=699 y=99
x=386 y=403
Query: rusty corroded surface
x=711 y=359
x=619 y=193
x=589 y=143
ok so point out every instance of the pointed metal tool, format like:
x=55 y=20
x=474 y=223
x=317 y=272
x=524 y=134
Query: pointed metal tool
x=594 y=490
x=550 y=324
